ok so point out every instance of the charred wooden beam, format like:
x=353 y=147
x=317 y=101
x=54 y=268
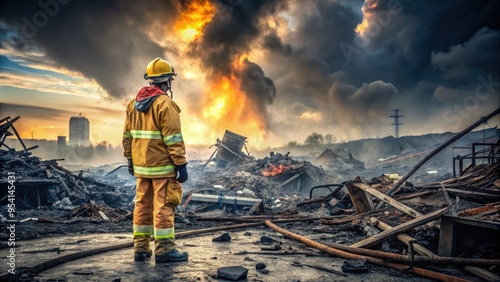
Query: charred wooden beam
x=421 y=220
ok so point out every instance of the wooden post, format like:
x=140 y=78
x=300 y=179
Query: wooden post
x=361 y=200
x=387 y=199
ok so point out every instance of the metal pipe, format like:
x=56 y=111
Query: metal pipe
x=417 y=259
x=377 y=261
x=236 y=219
x=321 y=199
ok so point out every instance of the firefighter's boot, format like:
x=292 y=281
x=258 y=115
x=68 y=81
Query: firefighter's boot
x=165 y=251
x=142 y=248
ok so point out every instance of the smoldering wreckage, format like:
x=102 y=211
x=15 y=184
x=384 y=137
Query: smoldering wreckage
x=348 y=229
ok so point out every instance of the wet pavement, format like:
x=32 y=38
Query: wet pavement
x=205 y=257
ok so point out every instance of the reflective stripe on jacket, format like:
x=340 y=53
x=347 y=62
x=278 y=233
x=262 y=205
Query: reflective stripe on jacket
x=153 y=138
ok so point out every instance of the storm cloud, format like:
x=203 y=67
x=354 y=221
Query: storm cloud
x=233 y=33
x=104 y=40
x=43 y=113
x=309 y=70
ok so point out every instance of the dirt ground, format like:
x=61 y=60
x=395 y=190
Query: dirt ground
x=38 y=242
x=46 y=233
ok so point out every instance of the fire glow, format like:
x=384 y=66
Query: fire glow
x=193 y=20
x=368 y=15
x=224 y=105
x=273 y=170
x=227 y=107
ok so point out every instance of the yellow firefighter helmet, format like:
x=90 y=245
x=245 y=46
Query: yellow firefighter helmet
x=158 y=71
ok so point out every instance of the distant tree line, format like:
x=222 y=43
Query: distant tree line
x=315 y=139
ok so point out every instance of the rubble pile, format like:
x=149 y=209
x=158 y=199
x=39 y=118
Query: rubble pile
x=481 y=177
x=99 y=212
x=42 y=183
x=280 y=167
x=272 y=178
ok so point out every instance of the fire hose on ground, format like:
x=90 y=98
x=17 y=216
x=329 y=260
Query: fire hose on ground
x=346 y=252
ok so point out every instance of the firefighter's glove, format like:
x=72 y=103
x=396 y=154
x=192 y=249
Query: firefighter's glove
x=182 y=173
x=130 y=167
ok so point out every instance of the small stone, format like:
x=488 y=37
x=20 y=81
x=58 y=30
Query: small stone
x=355 y=266
x=260 y=265
x=385 y=247
x=264 y=271
x=66 y=202
x=248 y=192
x=222 y=238
x=265 y=240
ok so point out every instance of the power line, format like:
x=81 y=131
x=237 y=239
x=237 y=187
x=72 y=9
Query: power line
x=396 y=123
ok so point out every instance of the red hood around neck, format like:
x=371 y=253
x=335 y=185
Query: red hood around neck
x=148 y=91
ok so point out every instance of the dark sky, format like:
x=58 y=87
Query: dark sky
x=309 y=70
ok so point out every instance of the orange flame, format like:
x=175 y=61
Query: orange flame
x=368 y=15
x=273 y=170
x=226 y=106
x=193 y=19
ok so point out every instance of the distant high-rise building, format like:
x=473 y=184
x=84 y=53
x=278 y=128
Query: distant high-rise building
x=61 y=141
x=79 y=131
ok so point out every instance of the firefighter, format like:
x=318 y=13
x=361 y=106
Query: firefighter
x=155 y=150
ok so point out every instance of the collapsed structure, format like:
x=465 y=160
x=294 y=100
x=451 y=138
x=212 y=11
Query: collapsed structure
x=44 y=183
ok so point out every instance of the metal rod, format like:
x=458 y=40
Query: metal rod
x=17 y=134
x=211 y=156
x=231 y=151
x=416 y=259
x=440 y=148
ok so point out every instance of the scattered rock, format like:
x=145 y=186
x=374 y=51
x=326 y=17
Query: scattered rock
x=265 y=240
x=385 y=247
x=355 y=265
x=260 y=265
x=232 y=272
x=222 y=238
x=264 y=271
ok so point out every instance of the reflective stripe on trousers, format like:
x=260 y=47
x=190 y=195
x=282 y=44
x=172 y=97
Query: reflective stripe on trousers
x=164 y=233
x=142 y=230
